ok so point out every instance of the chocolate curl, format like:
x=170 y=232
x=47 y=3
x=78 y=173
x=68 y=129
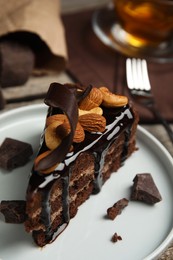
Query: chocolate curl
x=81 y=95
x=60 y=96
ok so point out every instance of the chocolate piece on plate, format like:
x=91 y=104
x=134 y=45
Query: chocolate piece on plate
x=144 y=189
x=117 y=208
x=14 y=153
x=13 y=211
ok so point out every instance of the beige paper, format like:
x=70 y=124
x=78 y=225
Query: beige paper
x=40 y=19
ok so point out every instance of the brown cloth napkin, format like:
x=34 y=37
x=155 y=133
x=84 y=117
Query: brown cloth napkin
x=90 y=62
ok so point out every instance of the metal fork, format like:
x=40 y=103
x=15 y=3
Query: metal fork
x=140 y=88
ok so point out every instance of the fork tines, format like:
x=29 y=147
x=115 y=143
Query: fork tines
x=137 y=74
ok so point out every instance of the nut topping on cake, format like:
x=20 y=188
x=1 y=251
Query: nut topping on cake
x=55 y=118
x=94 y=99
x=93 y=122
x=112 y=100
x=96 y=110
x=51 y=138
x=90 y=116
x=79 y=134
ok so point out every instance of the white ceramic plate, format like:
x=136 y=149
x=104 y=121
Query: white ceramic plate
x=145 y=230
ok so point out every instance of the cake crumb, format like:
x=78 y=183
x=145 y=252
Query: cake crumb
x=117 y=208
x=116 y=238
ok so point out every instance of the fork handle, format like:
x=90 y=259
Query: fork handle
x=163 y=122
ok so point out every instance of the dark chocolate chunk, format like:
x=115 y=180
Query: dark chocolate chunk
x=14 y=153
x=13 y=211
x=117 y=208
x=144 y=189
x=115 y=238
x=16 y=63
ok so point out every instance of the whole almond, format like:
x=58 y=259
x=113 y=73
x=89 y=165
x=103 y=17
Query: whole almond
x=112 y=100
x=94 y=99
x=79 y=134
x=41 y=156
x=93 y=122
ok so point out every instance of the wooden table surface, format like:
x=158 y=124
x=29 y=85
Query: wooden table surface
x=40 y=84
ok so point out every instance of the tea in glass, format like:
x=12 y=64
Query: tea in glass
x=145 y=22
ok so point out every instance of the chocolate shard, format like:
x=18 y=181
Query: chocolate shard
x=117 y=208
x=14 y=153
x=13 y=211
x=144 y=189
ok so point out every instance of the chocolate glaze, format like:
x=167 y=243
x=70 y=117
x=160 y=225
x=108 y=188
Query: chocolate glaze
x=118 y=120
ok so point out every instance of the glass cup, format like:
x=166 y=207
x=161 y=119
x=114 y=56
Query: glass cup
x=144 y=23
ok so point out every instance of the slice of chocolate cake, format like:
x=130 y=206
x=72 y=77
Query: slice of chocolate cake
x=89 y=133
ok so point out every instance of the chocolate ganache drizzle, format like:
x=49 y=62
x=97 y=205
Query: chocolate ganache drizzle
x=64 y=99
